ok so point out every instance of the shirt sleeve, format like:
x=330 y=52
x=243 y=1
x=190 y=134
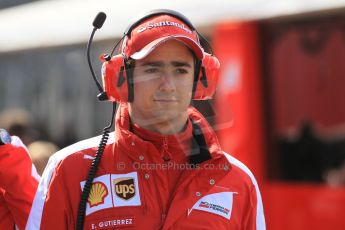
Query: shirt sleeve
x=255 y=218
x=56 y=211
x=18 y=180
x=51 y=208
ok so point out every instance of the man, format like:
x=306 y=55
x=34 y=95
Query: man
x=163 y=167
x=18 y=182
x=40 y=151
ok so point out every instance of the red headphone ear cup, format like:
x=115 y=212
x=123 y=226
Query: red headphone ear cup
x=209 y=73
x=115 y=79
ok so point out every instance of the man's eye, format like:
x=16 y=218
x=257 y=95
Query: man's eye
x=181 y=71
x=152 y=70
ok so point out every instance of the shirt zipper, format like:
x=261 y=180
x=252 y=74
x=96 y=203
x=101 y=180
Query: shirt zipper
x=166 y=156
x=162 y=212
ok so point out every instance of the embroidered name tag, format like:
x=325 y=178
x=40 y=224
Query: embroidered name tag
x=113 y=223
x=216 y=203
x=113 y=190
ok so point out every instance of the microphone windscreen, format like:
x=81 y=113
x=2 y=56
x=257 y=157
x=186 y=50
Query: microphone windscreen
x=99 y=20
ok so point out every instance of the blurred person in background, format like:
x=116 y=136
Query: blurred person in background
x=40 y=151
x=18 y=122
x=18 y=182
x=164 y=66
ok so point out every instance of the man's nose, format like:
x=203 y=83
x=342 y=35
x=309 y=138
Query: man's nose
x=167 y=82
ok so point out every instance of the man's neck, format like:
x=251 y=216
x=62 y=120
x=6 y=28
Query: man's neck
x=165 y=127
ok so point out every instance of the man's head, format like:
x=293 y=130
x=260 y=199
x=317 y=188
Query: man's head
x=142 y=41
x=164 y=50
x=141 y=38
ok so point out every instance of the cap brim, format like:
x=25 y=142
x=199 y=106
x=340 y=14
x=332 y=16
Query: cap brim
x=195 y=47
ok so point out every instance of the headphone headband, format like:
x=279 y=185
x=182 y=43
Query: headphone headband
x=156 y=12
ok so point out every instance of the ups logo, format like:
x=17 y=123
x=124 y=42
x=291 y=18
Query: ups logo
x=124 y=188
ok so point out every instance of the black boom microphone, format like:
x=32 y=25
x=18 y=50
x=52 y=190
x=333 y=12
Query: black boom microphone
x=99 y=20
x=97 y=24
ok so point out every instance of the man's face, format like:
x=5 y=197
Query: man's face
x=163 y=84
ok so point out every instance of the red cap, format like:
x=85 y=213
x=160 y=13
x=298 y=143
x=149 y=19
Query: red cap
x=156 y=30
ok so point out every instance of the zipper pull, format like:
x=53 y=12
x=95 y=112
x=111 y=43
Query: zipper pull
x=165 y=144
x=163 y=216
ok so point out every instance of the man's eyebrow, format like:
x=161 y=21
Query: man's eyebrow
x=161 y=64
x=180 y=64
x=153 y=63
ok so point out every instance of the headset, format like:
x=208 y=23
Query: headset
x=117 y=79
x=117 y=74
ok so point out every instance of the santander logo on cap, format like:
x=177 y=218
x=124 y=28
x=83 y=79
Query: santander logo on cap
x=162 y=24
x=154 y=31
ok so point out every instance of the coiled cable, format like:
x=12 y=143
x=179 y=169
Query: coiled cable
x=92 y=172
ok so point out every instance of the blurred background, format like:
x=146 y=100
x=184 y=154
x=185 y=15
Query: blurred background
x=279 y=108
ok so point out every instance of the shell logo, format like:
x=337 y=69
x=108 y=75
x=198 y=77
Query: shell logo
x=97 y=194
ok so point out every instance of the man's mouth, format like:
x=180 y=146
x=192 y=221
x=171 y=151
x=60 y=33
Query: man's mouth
x=166 y=100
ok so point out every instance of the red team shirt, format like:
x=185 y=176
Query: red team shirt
x=144 y=181
x=18 y=183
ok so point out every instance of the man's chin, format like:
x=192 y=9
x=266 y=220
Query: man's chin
x=164 y=116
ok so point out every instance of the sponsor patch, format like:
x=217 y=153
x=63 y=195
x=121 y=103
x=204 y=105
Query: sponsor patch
x=216 y=203
x=97 y=194
x=110 y=223
x=113 y=190
x=124 y=188
x=99 y=200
